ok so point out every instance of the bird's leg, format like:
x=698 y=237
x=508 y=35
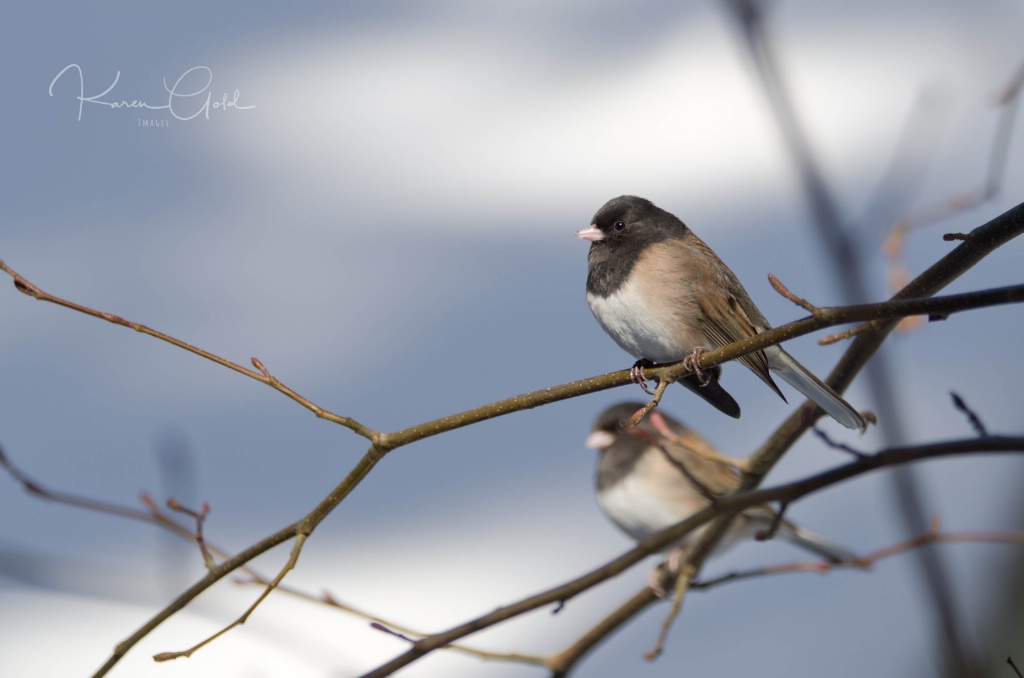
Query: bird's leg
x=637 y=376
x=654 y=580
x=666 y=572
x=675 y=559
x=692 y=361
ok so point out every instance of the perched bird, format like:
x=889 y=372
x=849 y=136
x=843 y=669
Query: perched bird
x=664 y=296
x=647 y=482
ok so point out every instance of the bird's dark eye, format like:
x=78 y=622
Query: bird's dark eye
x=619 y=225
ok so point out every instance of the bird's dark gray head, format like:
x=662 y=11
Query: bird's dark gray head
x=620 y=446
x=628 y=219
x=617 y=417
x=619 y=233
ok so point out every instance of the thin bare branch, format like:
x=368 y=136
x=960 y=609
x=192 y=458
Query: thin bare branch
x=846 y=334
x=972 y=417
x=289 y=566
x=200 y=518
x=393 y=628
x=825 y=438
x=932 y=536
x=480 y=654
x=34 y=487
x=784 y=291
x=263 y=376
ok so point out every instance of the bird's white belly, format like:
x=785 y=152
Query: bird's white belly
x=660 y=337
x=630 y=505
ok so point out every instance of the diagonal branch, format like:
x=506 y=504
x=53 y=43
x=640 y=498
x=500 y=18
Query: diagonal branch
x=260 y=374
x=299 y=530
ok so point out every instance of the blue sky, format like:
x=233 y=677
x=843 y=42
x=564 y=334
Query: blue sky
x=386 y=220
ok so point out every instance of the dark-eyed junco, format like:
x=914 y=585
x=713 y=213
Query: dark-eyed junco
x=664 y=296
x=647 y=482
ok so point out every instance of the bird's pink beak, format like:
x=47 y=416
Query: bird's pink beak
x=592 y=233
x=598 y=440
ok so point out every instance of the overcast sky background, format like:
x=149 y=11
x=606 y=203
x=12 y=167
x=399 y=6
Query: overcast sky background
x=386 y=220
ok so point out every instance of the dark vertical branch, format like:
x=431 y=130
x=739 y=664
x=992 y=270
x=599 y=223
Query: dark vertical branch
x=845 y=256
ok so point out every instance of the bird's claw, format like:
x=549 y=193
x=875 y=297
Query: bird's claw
x=692 y=361
x=637 y=376
x=664 y=574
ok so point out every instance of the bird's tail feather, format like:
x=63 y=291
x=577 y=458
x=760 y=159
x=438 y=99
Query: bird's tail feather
x=712 y=391
x=816 y=543
x=800 y=378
